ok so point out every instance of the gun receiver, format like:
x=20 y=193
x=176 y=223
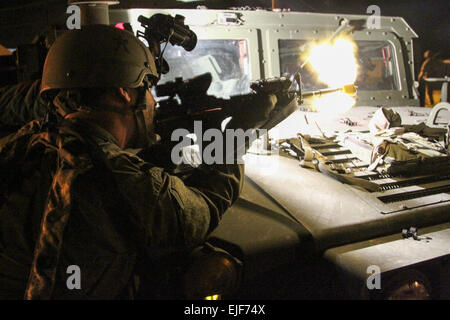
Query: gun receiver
x=188 y=100
x=193 y=103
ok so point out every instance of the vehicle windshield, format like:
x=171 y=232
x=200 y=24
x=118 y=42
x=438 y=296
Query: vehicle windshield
x=376 y=65
x=226 y=60
x=228 y=63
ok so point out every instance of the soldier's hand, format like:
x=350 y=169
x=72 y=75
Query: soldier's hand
x=254 y=114
x=165 y=129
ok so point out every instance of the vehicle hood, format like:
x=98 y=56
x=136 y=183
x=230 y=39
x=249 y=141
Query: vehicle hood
x=285 y=209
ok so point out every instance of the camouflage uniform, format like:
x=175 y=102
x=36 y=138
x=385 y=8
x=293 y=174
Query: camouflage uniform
x=74 y=197
x=12 y=117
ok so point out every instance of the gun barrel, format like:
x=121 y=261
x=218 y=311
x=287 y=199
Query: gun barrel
x=349 y=89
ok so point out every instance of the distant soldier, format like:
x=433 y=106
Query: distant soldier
x=432 y=67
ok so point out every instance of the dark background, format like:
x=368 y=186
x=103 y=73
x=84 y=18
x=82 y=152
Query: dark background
x=22 y=20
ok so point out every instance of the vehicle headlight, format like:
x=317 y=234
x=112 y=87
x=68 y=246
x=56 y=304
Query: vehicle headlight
x=408 y=285
x=212 y=274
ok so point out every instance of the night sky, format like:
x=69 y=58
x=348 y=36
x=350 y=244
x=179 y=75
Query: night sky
x=429 y=18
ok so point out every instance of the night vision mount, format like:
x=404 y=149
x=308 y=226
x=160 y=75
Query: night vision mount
x=161 y=28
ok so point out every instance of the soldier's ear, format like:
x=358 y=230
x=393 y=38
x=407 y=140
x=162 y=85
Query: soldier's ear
x=124 y=94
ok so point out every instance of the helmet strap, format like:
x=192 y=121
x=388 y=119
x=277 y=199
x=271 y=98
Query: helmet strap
x=50 y=120
x=143 y=139
x=141 y=102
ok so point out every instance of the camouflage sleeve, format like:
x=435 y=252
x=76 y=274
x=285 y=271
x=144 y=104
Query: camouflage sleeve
x=20 y=104
x=173 y=212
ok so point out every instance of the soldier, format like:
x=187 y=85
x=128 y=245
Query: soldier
x=75 y=192
x=432 y=67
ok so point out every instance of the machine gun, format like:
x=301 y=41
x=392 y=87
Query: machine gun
x=188 y=100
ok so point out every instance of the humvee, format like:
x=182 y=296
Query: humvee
x=298 y=233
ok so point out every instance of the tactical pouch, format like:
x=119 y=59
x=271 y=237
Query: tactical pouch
x=406 y=153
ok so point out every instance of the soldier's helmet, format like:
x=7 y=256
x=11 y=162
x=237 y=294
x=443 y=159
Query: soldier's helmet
x=97 y=56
